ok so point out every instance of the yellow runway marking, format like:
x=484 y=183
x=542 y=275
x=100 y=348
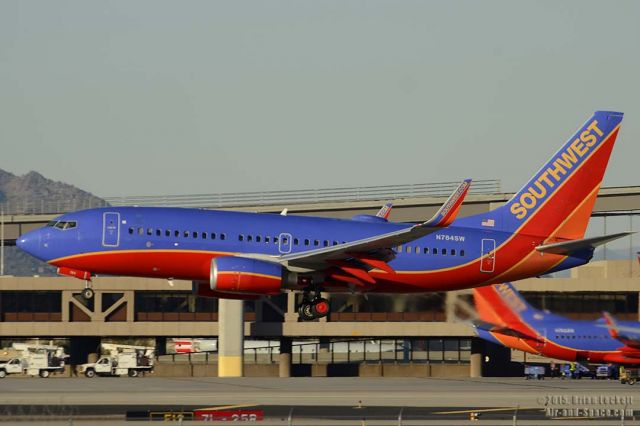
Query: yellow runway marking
x=487 y=410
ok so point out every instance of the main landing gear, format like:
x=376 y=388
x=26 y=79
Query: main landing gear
x=313 y=307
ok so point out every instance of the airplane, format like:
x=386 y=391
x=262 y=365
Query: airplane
x=506 y=318
x=242 y=255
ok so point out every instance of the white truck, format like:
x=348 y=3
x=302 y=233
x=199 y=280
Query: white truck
x=120 y=360
x=34 y=360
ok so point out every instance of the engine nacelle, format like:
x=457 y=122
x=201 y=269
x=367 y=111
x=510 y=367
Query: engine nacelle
x=241 y=275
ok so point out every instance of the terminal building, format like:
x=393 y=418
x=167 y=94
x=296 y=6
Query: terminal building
x=373 y=335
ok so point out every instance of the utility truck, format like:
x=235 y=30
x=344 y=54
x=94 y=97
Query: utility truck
x=33 y=359
x=120 y=360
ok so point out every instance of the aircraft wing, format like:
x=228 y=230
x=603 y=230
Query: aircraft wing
x=630 y=336
x=501 y=329
x=380 y=246
x=569 y=247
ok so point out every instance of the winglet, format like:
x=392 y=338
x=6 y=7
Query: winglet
x=611 y=324
x=385 y=211
x=449 y=210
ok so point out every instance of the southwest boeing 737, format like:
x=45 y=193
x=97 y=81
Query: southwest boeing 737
x=506 y=318
x=247 y=255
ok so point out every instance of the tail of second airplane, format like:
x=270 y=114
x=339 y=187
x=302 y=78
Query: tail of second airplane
x=558 y=200
x=501 y=305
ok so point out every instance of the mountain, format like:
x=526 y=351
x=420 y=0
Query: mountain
x=33 y=193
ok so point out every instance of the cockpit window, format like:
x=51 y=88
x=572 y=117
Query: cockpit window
x=52 y=223
x=64 y=225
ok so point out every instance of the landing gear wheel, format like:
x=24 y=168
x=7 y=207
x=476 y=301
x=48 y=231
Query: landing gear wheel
x=88 y=293
x=133 y=373
x=44 y=373
x=305 y=311
x=320 y=308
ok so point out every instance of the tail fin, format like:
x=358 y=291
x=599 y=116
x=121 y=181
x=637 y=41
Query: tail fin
x=503 y=305
x=559 y=198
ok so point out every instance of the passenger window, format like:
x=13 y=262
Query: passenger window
x=240 y=237
x=130 y=230
x=326 y=243
x=176 y=233
x=434 y=251
x=285 y=240
x=149 y=231
x=266 y=239
x=408 y=249
x=167 y=233
x=453 y=252
x=426 y=250
x=335 y=243
x=186 y=234
x=399 y=249
x=444 y=251
x=204 y=235
x=249 y=238
x=295 y=241
x=461 y=252
x=275 y=240
x=213 y=235
x=141 y=231
x=316 y=243
x=158 y=233
x=306 y=242
x=223 y=236
x=194 y=234
x=258 y=239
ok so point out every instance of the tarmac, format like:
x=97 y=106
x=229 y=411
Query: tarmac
x=322 y=400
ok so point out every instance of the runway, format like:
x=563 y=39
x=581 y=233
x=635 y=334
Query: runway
x=329 y=398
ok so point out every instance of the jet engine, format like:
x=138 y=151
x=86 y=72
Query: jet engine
x=240 y=275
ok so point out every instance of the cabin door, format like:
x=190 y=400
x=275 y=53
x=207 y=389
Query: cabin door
x=111 y=229
x=488 y=255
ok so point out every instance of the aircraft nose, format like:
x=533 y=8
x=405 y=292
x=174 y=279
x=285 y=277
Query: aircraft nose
x=31 y=243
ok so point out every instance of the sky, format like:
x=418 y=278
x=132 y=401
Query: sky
x=194 y=97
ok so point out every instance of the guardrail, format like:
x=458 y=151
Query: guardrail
x=364 y=193
x=244 y=199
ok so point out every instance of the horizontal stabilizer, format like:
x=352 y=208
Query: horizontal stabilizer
x=573 y=246
x=507 y=331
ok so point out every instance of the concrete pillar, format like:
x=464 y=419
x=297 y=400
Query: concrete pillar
x=230 y=338
x=284 y=359
x=476 y=358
